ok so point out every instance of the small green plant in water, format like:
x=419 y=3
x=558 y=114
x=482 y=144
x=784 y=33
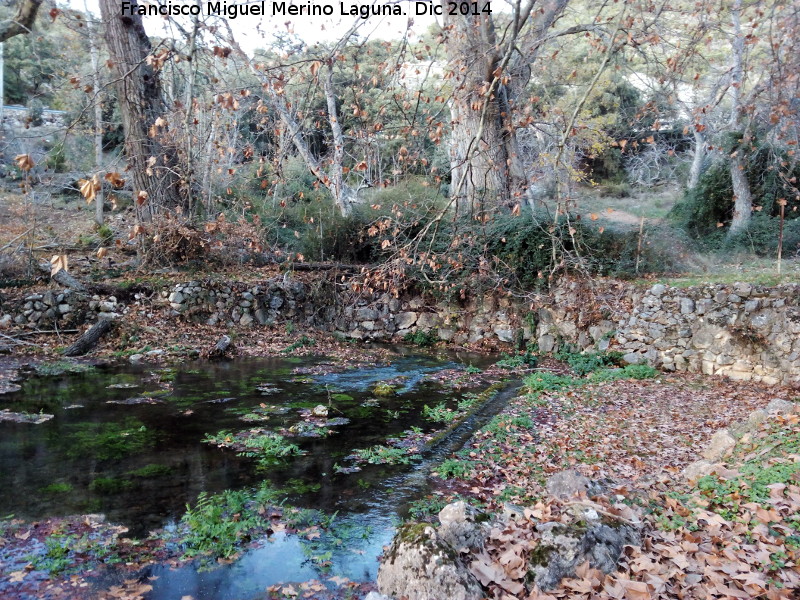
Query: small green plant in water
x=383 y=390
x=438 y=414
x=60 y=367
x=108 y=486
x=453 y=468
x=219 y=524
x=151 y=471
x=266 y=446
x=57 y=488
x=385 y=455
x=106 y=441
x=56 y=558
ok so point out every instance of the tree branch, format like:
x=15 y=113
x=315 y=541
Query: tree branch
x=22 y=21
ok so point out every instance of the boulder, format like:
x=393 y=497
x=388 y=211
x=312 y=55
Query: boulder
x=568 y=484
x=460 y=527
x=633 y=358
x=721 y=444
x=701 y=468
x=563 y=548
x=419 y=565
x=780 y=406
x=428 y=320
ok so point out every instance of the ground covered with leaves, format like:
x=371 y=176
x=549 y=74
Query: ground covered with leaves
x=733 y=534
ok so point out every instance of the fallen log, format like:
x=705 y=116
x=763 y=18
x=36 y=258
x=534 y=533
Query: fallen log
x=64 y=278
x=89 y=339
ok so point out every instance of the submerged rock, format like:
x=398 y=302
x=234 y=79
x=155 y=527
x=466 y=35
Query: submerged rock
x=23 y=417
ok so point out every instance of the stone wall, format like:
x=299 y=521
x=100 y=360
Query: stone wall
x=741 y=331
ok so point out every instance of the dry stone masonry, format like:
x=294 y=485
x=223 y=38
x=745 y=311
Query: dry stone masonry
x=741 y=331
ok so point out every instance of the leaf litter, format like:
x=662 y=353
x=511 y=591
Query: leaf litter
x=734 y=534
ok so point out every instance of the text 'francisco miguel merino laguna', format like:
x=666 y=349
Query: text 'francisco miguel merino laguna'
x=231 y=10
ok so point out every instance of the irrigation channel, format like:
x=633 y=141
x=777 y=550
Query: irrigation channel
x=128 y=442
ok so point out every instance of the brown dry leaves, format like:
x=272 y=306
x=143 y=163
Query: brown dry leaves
x=641 y=434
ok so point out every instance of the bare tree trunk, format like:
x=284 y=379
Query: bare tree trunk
x=139 y=95
x=697 y=160
x=743 y=199
x=486 y=171
x=343 y=195
x=98 y=118
x=189 y=109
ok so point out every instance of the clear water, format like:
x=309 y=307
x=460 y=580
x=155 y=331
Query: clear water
x=90 y=457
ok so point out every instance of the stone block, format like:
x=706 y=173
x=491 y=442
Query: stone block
x=405 y=320
x=720 y=446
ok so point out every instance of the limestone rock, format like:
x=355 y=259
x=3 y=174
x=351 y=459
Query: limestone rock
x=547 y=343
x=366 y=314
x=633 y=358
x=721 y=444
x=780 y=406
x=460 y=527
x=419 y=565
x=567 y=484
x=562 y=548
x=428 y=320
x=405 y=320
x=700 y=468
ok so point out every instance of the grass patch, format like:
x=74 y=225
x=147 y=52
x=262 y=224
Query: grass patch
x=549 y=382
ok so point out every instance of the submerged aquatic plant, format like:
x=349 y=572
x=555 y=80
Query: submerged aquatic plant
x=266 y=446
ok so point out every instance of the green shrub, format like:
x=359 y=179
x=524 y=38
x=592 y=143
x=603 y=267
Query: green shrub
x=423 y=339
x=518 y=361
x=629 y=372
x=710 y=203
x=548 y=382
x=583 y=364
